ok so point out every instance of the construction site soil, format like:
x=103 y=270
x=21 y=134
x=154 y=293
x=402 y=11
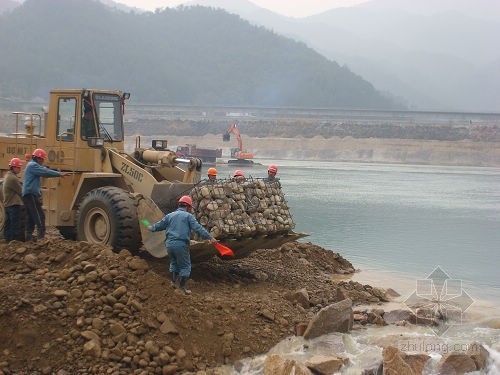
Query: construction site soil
x=72 y=307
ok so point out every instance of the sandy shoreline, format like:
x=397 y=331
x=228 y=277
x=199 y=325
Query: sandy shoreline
x=486 y=302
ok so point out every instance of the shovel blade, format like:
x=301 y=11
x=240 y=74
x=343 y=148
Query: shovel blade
x=154 y=242
x=224 y=250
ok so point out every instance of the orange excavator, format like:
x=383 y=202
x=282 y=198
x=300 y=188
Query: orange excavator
x=239 y=153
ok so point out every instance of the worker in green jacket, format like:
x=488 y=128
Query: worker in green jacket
x=12 y=201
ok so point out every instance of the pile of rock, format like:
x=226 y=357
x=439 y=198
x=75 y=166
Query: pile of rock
x=232 y=209
x=97 y=308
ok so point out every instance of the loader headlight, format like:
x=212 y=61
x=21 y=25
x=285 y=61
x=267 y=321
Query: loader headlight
x=95 y=142
x=159 y=144
x=126 y=96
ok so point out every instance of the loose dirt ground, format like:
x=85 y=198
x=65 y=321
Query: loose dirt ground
x=71 y=307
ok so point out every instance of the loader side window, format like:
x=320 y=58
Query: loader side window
x=66 y=119
x=109 y=116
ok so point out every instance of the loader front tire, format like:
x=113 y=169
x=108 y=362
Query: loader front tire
x=108 y=216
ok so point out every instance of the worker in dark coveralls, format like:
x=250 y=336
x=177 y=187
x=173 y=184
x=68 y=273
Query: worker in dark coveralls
x=12 y=200
x=271 y=173
x=32 y=194
x=178 y=226
x=212 y=175
x=239 y=176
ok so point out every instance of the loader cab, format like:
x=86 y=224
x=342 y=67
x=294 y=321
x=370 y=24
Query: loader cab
x=82 y=115
x=102 y=116
x=107 y=118
x=80 y=124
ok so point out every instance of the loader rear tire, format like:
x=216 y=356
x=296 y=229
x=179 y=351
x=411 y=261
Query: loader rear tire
x=108 y=216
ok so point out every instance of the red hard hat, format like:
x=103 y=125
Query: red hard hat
x=15 y=162
x=272 y=168
x=40 y=153
x=212 y=171
x=238 y=173
x=186 y=199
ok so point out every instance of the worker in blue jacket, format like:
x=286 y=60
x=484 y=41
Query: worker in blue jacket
x=32 y=195
x=178 y=226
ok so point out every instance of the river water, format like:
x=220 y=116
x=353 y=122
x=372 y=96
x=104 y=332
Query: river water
x=397 y=224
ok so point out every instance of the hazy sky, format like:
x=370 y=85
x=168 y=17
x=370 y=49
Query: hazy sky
x=292 y=8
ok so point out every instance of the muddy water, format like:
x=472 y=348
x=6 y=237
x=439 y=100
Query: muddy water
x=397 y=224
x=480 y=323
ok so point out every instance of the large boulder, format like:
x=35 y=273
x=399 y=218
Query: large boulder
x=479 y=355
x=456 y=363
x=276 y=365
x=461 y=362
x=300 y=297
x=337 y=317
x=396 y=362
x=324 y=365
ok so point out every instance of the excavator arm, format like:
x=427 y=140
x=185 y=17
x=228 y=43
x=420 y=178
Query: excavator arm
x=233 y=129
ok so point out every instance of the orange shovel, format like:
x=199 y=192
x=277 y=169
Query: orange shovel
x=223 y=250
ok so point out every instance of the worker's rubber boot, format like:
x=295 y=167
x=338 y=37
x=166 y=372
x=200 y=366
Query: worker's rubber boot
x=174 y=279
x=182 y=285
x=28 y=237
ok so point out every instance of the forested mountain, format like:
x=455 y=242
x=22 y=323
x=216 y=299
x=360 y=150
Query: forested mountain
x=437 y=54
x=188 y=55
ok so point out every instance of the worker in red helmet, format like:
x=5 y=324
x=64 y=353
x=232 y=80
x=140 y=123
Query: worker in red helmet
x=178 y=226
x=12 y=201
x=32 y=194
x=271 y=174
x=239 y=176
x=211 y=176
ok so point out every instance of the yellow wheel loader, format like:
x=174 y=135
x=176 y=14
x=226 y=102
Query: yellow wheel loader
x=109 y=191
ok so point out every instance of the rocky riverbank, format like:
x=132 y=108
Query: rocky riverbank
x=83 y=309
x=71 y=307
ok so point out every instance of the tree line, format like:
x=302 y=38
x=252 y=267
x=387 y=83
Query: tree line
x=187 y=55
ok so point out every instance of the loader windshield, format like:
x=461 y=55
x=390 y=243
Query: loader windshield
x=109 y=117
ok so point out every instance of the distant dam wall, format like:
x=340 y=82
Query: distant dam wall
x=349 y=149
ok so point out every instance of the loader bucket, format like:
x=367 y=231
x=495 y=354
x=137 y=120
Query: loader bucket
x=243 y=247
x=154 y=243
x=166 y=195
x=248 y=216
